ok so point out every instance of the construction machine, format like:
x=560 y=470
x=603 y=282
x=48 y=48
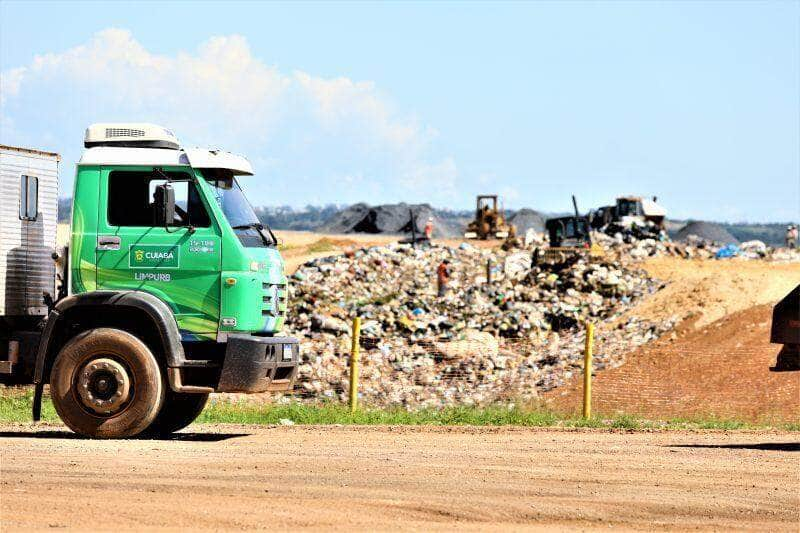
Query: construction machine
x=786 y=331
x=630 y=210
x=489 y=221
x=569 y=238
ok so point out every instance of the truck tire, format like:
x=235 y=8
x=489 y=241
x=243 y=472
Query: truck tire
x=105 y=383
x=179 y=410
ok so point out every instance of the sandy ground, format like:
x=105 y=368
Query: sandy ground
x=237 y=477
x=708 y=290
x=717 y=360
x=297 y=246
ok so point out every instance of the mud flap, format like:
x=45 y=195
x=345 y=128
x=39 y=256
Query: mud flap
x=37 y=401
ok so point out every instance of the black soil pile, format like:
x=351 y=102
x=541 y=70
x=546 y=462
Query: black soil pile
x=706 y=230
x=390 y=219
x=526 y=219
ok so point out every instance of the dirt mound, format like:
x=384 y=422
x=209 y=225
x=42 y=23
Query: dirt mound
x=721 y=369
x=711 y=289
x=707 y=231
x=526 y=219
x=389 y=219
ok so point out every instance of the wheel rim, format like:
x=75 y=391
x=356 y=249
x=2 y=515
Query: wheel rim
x=104 y=386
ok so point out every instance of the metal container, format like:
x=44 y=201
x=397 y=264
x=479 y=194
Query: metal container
x=28 y=222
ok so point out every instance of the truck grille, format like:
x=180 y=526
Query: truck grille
x=275 y=299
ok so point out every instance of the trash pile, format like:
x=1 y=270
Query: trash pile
x=504 y=329
x=393 y=288
x=634 y=232
x=711 y=241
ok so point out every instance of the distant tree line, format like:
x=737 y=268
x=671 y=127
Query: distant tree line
x=311 y=217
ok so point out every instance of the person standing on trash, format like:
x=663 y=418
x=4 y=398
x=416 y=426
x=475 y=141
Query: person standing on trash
x=429 y=228
x=791 y=237
x=443 y=276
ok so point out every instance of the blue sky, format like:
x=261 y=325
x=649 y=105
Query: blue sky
x=697 y=103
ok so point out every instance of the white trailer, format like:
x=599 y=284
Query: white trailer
x=29 y=180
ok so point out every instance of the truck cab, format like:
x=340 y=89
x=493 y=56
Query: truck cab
x=175 y=289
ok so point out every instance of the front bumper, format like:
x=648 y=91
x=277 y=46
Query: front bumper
x=259 y=364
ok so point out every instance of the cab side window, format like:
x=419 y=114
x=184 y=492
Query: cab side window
x=130 y=199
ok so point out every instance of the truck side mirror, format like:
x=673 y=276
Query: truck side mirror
x=164 y=205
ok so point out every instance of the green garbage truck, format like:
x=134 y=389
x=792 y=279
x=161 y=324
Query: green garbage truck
x=169 y=289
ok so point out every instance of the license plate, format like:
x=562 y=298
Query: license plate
x=287 y=352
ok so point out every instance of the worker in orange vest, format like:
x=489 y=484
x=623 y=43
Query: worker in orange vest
x=443 y=276
x=429 y=228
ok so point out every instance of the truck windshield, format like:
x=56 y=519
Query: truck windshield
x=239 y=212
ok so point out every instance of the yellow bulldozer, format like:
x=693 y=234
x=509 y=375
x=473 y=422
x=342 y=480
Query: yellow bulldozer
x=490 y=221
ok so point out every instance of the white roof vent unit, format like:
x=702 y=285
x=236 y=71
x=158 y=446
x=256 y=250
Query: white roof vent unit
x=134 y=135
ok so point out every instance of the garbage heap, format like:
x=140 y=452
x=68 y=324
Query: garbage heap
x=504 y=330
x=636 y=243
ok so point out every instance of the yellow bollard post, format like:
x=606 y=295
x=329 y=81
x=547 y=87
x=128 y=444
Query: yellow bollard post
x=354 y=354
x=587 y=371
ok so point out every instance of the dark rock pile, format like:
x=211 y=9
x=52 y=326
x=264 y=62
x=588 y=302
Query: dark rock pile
x=705 y=231
x=526 y=219
x=394 y=219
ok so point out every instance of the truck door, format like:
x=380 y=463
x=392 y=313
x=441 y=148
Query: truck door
x=179 y=263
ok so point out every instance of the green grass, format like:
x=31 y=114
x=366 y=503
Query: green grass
x=17 y=408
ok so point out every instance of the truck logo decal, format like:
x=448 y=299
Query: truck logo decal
x=154 y=256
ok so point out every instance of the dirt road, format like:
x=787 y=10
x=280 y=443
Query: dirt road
x=237 y=477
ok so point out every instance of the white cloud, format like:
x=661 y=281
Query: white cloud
x=509 y=194
x=10 y=81
x=339 y=100
x=438 y=178
x=223 y=94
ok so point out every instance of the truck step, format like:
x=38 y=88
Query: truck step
x=6 y=367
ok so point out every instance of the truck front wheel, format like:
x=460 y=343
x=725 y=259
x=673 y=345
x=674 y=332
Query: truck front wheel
x=106 y=383
x=179 y=410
